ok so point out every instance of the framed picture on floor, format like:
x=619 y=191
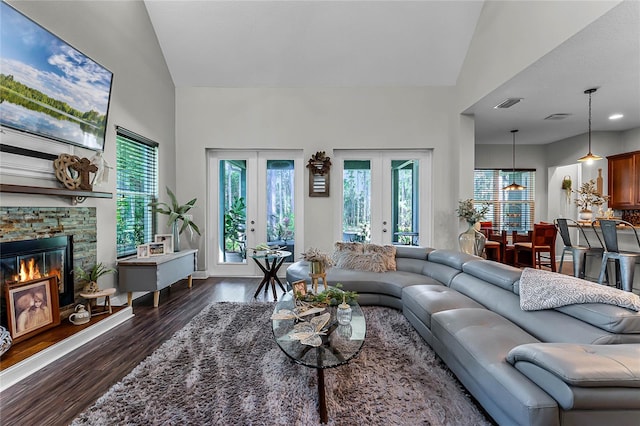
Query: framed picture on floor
x=32 y=307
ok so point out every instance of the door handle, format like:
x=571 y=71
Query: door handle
x=384 y=229
x=252 y=230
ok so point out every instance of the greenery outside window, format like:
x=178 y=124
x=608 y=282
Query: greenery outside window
x=508 y=210
x=136 y=187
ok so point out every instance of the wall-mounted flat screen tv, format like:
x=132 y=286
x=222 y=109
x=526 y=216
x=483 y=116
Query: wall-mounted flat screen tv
x=47 y=87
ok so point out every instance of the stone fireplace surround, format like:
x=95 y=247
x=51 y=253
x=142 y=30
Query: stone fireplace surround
x=27 y=223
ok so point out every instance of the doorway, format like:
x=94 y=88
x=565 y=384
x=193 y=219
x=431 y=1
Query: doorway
x=255 y=199
x=384 y=196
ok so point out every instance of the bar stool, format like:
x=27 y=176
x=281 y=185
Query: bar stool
x=625 y=261
x=578 y=253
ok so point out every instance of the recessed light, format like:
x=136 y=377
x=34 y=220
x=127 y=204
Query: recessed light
x=616 y=116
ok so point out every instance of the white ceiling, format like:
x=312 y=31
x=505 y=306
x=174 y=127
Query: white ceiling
x=401 y=43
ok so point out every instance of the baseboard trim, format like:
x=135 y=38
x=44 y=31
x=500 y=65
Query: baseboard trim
x=25 y=368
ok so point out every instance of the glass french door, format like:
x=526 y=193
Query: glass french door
x=384 y=196
x=255 y=199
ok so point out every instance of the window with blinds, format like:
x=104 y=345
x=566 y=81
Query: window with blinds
x=508 y=210
x=136 y=187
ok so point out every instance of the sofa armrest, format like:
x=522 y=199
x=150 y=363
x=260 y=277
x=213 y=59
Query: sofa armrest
x=584 y=365
x=583 y=376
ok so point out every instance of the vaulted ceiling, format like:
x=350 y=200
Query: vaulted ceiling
x=401 y=44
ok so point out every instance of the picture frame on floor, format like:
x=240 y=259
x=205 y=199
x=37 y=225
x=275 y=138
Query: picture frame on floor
x=32 y=307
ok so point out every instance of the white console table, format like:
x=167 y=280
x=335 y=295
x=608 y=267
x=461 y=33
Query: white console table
x=155 y=273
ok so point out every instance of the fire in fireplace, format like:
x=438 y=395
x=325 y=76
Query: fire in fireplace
x=33 y=259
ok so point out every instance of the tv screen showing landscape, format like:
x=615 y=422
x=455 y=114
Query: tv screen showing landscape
x=47 y=87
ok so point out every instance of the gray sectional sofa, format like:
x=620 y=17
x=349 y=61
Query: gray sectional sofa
x=572 y=365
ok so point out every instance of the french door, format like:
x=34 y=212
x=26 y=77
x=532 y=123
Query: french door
x=255 y=198
x=385 y=196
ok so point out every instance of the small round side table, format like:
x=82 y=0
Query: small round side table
x=92 y=297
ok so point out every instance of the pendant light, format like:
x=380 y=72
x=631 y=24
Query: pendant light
x=590 y=158
x=514 y=186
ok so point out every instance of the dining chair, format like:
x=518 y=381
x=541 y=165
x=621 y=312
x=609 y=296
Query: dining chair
x=543 y=240
x=509 y=249
x=495 y=245
x=578 y=252
x=625 y=261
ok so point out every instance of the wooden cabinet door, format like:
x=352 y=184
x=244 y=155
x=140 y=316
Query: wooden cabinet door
x=636 y=178
x=623 y=181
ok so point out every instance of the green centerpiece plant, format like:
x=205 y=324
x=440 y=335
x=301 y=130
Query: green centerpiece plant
x=91 y=276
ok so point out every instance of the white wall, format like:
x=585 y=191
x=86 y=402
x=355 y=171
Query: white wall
x=315 y=120
x=119 y=36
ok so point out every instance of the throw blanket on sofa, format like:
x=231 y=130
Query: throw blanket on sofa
x=541 y=289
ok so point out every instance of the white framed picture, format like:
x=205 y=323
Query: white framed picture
x=167 y=239
x=143 y=251
x=156 y=249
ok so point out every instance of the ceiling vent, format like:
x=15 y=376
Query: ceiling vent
x=560 y=116
x=507 y=103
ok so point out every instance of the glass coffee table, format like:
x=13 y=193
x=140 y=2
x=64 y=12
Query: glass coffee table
x=340 y=343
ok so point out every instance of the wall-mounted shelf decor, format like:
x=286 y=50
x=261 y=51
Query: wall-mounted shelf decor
x=75 y=195
x=319 y=166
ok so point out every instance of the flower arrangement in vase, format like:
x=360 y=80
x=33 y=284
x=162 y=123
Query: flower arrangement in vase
x=471 y=241
x=586 y=196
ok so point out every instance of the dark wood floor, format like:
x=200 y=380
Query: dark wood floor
x=59 y=392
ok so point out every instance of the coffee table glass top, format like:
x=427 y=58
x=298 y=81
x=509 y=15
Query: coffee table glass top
x=340 y=344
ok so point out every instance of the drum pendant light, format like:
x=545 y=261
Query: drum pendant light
x=514 y=186
x=590 y=157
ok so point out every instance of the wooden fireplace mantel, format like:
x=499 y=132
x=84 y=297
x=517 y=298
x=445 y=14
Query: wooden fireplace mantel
x=76 y=196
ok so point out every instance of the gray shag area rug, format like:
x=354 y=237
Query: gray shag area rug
x=225 y=368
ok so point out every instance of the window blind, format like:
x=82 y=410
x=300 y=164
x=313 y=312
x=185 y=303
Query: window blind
x=136 y=187
x=508 y=210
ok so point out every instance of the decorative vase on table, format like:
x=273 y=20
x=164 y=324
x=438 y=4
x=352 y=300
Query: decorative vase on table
x=176 y=236
x=316 y=267
x=585 y=215
x=472 y=241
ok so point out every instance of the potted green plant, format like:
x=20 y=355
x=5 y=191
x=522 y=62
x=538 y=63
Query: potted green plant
x=178 y=220
x=91 y=276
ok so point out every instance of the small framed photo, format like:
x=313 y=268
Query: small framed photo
x=143 y=251
x=167 y=239
x=32 y=307
x=299 y=289
x=156 y=249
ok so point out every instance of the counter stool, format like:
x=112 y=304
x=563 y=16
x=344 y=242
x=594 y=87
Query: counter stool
x=625 y=261
x=578 y=253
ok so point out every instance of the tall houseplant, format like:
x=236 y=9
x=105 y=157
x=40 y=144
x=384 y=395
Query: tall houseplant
x=178 y=220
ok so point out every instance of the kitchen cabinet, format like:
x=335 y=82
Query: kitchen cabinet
x=624 y=181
